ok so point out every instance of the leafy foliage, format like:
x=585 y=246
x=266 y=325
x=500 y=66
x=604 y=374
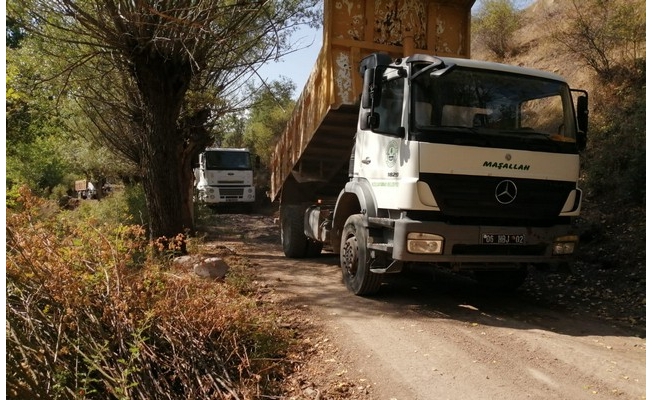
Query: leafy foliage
x=48 y=145
x=270 y=111
x=15 y=32
x=230 y=132
x=33 y=110
x=90 y=315
x=153 y=77
x=41 y=165
x=494 y=26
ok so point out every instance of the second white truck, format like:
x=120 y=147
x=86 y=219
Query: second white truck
x=225 y=176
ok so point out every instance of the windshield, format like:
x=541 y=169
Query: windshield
x=227 y=160
x=493 y=103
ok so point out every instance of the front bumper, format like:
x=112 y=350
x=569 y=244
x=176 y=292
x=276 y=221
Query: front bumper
x=468 y=243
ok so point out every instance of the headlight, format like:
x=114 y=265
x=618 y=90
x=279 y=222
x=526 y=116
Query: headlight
x=425 y=243
x=564 y=245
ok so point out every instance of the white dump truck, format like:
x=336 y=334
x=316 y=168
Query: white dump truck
x=224 y=176
x=404 y=152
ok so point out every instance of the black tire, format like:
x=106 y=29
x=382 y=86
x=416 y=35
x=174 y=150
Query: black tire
x=355 y=259
x=501 y=281
x=294 y=241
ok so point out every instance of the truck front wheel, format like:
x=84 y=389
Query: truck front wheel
x=355 y=258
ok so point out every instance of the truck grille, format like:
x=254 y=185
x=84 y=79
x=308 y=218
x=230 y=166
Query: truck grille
x=475 y=196
x=231 y=191
x=507 y=250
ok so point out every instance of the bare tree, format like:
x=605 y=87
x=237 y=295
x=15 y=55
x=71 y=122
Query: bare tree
x=604 y=34
x=153 y=75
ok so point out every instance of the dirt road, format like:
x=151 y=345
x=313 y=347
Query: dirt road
x=441 y=338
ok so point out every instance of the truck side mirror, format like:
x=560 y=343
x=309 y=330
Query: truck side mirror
x=369 y=120
x=582 y=120
x=371 y=87
x=583 y=113
x=365 y=101
x=376 y=88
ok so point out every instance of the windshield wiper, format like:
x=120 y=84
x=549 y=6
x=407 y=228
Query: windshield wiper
x=456 y=127
x=522 y=133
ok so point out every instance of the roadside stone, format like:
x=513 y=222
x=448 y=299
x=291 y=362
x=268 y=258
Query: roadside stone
x=212 y=267
x=183 y=261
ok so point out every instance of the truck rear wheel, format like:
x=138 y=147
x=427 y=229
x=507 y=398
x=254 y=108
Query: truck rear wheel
x=355 y=259
x=294 y=241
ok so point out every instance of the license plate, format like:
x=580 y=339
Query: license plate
x=230 y=199
x=499 y=238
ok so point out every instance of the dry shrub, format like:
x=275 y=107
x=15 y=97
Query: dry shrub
x=615 y=160
x=91 y=316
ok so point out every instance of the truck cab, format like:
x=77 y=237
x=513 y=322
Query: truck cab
x=224 y=176
x=467 y=165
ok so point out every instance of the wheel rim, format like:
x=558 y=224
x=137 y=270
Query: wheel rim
x=350 y=256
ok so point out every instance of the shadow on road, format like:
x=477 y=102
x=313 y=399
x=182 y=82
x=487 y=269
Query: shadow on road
x=317 y=282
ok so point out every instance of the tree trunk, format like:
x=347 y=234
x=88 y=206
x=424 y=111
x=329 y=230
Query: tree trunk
x=163 y=187
x=163 y=84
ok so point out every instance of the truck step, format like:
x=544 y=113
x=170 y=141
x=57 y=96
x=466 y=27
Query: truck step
x=384 y=247
x=384 y=222
x=394 y=267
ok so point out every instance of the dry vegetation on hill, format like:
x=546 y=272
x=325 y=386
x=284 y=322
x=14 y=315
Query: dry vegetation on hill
x=610 y=272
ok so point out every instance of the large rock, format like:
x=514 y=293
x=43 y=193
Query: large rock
x=184 y=261
x=212 y=267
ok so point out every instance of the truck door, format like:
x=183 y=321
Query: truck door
x=378 y=150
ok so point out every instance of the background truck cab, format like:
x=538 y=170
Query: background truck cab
x=224 y=176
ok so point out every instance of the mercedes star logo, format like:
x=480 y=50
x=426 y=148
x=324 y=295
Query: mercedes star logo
x=506 y=192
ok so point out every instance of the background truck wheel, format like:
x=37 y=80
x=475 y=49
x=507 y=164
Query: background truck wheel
x=294 y=241
x=355 y=259
x=501 y=281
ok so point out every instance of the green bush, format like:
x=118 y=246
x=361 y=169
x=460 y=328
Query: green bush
x=121 y=206
x=494 y=26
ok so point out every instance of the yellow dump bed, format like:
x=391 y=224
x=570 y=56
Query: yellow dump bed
x=316 y=144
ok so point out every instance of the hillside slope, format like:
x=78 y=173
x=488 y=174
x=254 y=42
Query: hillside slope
x=610 y=271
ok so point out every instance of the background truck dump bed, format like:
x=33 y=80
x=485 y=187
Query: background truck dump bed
x=316 y=145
